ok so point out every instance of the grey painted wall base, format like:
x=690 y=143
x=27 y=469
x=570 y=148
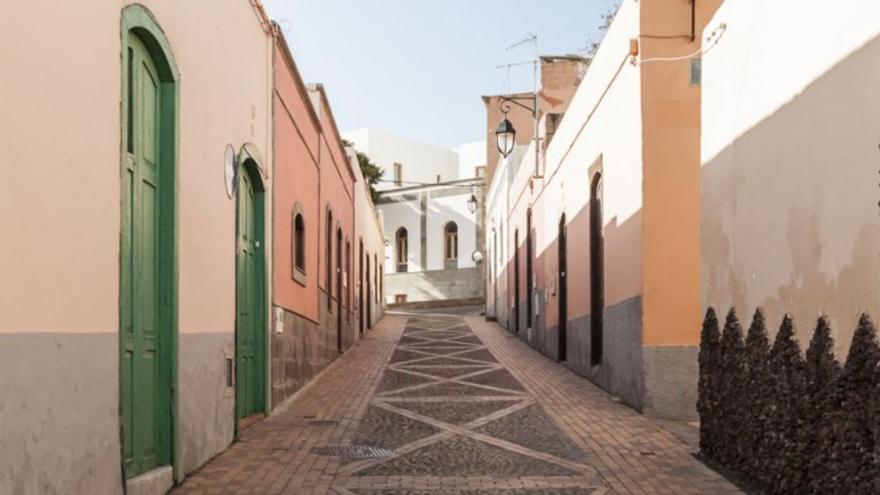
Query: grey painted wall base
x=299 y=352
x=59 y=413
x=434 y=285
x=621 y=371
x=303 y=348
x=658 y=381
x=59 y=417
x=671 y=375
x=206 y=406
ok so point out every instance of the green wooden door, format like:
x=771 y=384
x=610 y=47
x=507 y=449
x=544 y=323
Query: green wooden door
x=145 y=388
x=249 y=299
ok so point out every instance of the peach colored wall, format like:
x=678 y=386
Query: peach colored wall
x=297 y=132
x=601 y=127
x=60 y=266
x=789 y=146
x=671 y=185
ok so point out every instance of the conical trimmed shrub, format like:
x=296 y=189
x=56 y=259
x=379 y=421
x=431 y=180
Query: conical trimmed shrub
x=731 y=418
x=853 y=444
x=785 y=405
x=756 y=395
x=822 y=396
x=874 y=420
x=821 y=365
x=708 y=391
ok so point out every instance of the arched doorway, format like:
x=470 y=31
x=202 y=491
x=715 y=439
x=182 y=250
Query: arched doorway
x=148 y=246
x=516 y=280
x=328 y=283
x=529 y=289
x=338 y=289
x=562 y=293
x=250 y=298
x=361 y=286
x=597 y=272
x=368 y=302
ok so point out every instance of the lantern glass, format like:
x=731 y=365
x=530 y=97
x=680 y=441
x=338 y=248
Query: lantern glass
x=505 y=135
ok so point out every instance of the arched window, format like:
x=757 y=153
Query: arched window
x=401 y=249
x=450 y=245
x=298 y=245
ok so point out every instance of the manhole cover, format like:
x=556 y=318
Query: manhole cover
x=352 y=451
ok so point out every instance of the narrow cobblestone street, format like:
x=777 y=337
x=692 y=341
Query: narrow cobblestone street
x=453 y=405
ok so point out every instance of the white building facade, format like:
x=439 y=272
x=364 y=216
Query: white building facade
x=430 y=203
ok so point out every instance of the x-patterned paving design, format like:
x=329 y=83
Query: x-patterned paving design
x=458 y=423
x=448 y=405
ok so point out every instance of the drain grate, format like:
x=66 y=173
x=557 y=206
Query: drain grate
x=352 y=451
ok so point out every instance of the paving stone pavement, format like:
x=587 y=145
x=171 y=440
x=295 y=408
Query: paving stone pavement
x=453 y=405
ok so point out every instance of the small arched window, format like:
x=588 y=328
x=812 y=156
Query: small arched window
x=450 y=245
x=298 y=245
x=401 y=249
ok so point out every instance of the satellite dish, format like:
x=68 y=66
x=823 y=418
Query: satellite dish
x=230 y=169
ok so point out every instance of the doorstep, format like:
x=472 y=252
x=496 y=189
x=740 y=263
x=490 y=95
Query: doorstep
x=156 y=482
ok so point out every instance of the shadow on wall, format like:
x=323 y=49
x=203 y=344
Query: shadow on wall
x=621 y=371
x=790 y=217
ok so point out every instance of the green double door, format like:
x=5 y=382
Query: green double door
x=146 y=269
x=250 y=339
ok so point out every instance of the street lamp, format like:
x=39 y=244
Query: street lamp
x=504 y=137
x=505 y=134
x=472 y=204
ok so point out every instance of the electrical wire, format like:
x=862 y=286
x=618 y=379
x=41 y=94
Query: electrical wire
x=711 y=41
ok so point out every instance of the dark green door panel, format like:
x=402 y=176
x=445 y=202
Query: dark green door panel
x=145 y=390
x=250 y=304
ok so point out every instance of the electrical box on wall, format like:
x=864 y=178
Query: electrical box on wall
x=279 y=320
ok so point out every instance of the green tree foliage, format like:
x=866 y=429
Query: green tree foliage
x=371 y=172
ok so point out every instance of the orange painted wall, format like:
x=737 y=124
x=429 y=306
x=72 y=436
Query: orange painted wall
x=297 y=134
x=671 y=172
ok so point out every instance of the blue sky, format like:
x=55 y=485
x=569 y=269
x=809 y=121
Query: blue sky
x=417 y=68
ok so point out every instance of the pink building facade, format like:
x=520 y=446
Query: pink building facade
x=318 y=272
